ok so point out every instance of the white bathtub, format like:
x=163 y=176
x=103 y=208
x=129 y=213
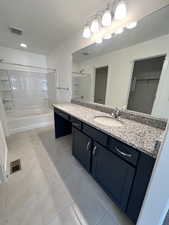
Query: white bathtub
x=22 y=120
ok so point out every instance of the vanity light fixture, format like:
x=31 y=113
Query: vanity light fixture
x=101 y=24
x=119 y=30
x=120 y=11
x=23 y=45
x=107 y=36
x=95 y=26
x=131 y=25
x=86 y=32
x=107 y=18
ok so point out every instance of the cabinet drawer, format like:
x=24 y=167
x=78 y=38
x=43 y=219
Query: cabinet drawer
x=95 y=134
x=124 y=151
x=62 y=114
x=76 y=123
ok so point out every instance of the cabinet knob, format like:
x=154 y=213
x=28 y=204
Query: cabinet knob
x=94 y=150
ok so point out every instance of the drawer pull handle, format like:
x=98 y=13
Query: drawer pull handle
x=123 y=153
x=88 y=146
x=94 y=150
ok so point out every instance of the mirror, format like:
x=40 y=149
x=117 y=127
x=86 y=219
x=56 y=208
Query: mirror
x=129 y=71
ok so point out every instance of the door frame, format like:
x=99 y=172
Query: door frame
x=95 y=68
x=131 y=75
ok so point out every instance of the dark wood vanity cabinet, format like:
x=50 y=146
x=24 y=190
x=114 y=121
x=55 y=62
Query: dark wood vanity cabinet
x=121 y=170
x=62 y=122
x=81 y=148
x=113 y=173
x=142 y=177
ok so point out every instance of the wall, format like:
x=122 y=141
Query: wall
x=3 y=119
x=21 y=57
x=120 y=71
x=3 y=155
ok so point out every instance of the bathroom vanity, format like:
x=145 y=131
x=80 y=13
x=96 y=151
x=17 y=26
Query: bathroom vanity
x=119 y=158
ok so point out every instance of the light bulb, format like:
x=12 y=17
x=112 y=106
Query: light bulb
x=95 y=26
x=106 y=18
x=86 y=32
x=119 y=31
x=99 y=41
x=131 y=25
x=120 y=11
x=107 y=36
x=23 y=45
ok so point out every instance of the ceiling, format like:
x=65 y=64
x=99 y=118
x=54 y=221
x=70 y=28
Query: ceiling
x=150 y=27
x=45 y=23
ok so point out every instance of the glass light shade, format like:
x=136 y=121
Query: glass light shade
x=106 y=18
x=99 y=41
x=131 y=25
x=120 y=11
x=119 y=31
x=95 y=26
x=86 y=32
x=23 y=45
x=107 y=36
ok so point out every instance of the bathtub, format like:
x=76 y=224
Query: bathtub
x=27 y=119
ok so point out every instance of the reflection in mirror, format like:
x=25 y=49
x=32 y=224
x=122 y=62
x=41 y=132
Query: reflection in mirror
x=129 y=71
x=145 y=79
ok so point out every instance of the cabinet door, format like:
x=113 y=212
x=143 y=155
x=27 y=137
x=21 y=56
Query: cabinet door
x=81 y=148
x=113 y=173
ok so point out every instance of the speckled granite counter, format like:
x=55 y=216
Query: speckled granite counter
x=135 y=134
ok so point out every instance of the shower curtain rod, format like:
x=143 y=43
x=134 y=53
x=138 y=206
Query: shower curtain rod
x=28 y=66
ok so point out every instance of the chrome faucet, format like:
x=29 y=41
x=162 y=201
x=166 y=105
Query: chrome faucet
x=116 y=113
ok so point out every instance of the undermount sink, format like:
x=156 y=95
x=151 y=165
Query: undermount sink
x=108 y=121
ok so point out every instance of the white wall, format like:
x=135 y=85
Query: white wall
x=120 y=72
x=3 y=118
x=3 y=155
x=22 y=57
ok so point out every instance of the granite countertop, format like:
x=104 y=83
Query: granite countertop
x=135 y=134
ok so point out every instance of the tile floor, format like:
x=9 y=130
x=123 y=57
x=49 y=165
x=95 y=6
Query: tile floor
x=52 y=188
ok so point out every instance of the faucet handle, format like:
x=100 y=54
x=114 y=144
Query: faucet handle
x=116 y=113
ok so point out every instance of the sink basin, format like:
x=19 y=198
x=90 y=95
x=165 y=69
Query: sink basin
x=108 y=121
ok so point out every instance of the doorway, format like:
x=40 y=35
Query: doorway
x=100 y=85
x=145 y=80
